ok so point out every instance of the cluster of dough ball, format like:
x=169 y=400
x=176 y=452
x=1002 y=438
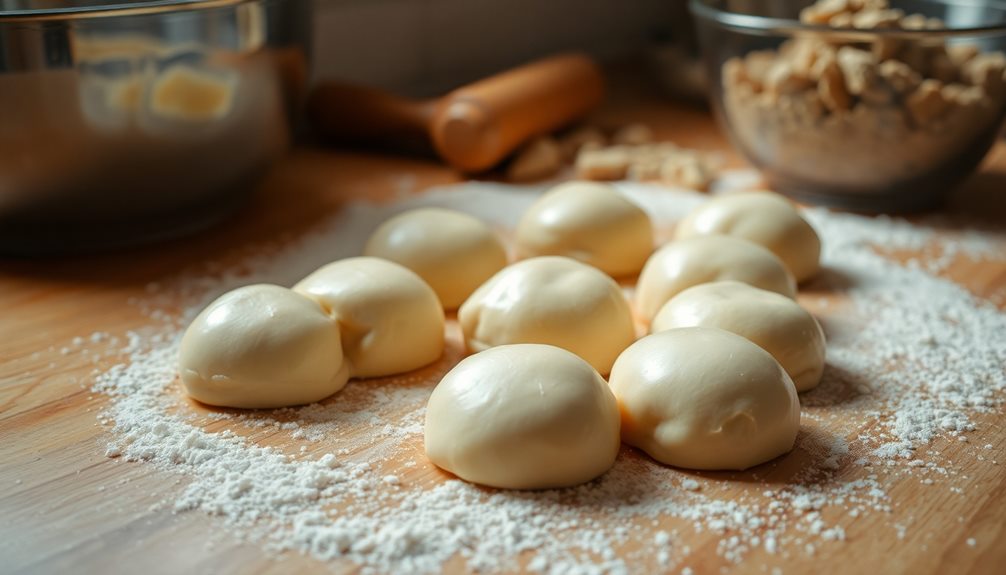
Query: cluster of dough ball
x=715 y=384
x=685 y=263
x=713 y=387
x=776 y=323
x=266 y=346
x=763 y=218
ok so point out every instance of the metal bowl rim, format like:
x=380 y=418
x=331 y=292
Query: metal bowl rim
x=768 y=25
x=114 y=8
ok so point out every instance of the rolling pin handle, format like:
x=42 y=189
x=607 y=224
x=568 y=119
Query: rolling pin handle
x=347 y=113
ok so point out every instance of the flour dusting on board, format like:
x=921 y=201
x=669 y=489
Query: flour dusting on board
x=911 y=358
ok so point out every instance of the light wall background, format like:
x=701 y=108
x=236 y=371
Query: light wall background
x=427 y=46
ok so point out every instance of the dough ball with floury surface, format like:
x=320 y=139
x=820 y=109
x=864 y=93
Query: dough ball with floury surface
x=525 y=416
x=452 y=251
x=262 y=346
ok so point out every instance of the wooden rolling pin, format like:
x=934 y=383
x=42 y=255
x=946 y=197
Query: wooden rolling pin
x=474 y=127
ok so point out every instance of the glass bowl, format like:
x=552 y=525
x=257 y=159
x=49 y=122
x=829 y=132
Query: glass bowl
x=877 y=110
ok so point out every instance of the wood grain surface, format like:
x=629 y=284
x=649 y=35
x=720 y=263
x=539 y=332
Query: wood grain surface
x=66 y=507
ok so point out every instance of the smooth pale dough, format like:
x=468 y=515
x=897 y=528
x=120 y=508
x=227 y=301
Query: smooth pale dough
x=523 y=416
x=682 y=264
x=776 y=323
x=552 y=300
x=390 y=319
x=452 y=251
x=765 y=218
x=588 y=221
x=262 y=346
x=705 y=398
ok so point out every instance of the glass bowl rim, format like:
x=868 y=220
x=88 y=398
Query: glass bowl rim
x=769 y=25
x=114 y=8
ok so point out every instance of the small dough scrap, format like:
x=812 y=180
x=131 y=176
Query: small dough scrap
x=591 y=222
x=776 y=323
x=552 y=300
x=538 y=160
x=765 y=218
x=633 y=135
x=582 y=138
x=705 y=398
x=682 y=264
x=452 y=251
x=390 y=319
x=524 y=416
x=262 y=346
x=603 y=164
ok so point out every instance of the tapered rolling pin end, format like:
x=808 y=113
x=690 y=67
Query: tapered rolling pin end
x=475 y=127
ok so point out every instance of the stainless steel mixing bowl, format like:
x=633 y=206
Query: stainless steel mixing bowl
x=138 y=120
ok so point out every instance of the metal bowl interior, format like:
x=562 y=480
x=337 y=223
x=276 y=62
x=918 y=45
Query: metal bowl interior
x=877 y=155
x=143 y=120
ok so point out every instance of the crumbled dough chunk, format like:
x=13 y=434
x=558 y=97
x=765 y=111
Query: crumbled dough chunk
x=986 y=72
x=538 y=160
x=604 y=164
x=823 y=12
x=859 y=69
x=868 y=19
x=652 y=162
x=783 y=79
x=688 y=171
x=961 y=54
x=899 y=76
x=926 y=103
x=633 y=135
x=831 y=87
x=582 y=138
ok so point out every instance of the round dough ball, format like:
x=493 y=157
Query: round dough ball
x=776 y=323
x=553 y=300
x=765 y=218
x=452 y=251
x=523 y=417
x=682 y=264
x=588 y=221
x=262 y=346
x=704 y=398
x=390 y=319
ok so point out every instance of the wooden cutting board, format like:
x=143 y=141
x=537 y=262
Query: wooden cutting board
x=67 y=507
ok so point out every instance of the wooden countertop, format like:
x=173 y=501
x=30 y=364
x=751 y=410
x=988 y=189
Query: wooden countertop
x=66 y=506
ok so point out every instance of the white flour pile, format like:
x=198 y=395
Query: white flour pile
x=911 y=358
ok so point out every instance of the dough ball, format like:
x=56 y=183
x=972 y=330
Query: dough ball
x=765 y=218
x=262 y=346
x=704 y=398
x=776 y=323
x=452 y=251
x=552 y=300
x=390 y=319
x=588 y=221
x=523 y=417
x=682 y=264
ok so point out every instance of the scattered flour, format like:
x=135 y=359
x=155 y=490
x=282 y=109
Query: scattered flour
x=911 y=358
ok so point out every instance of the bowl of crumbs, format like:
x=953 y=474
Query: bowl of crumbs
x=868 y=105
